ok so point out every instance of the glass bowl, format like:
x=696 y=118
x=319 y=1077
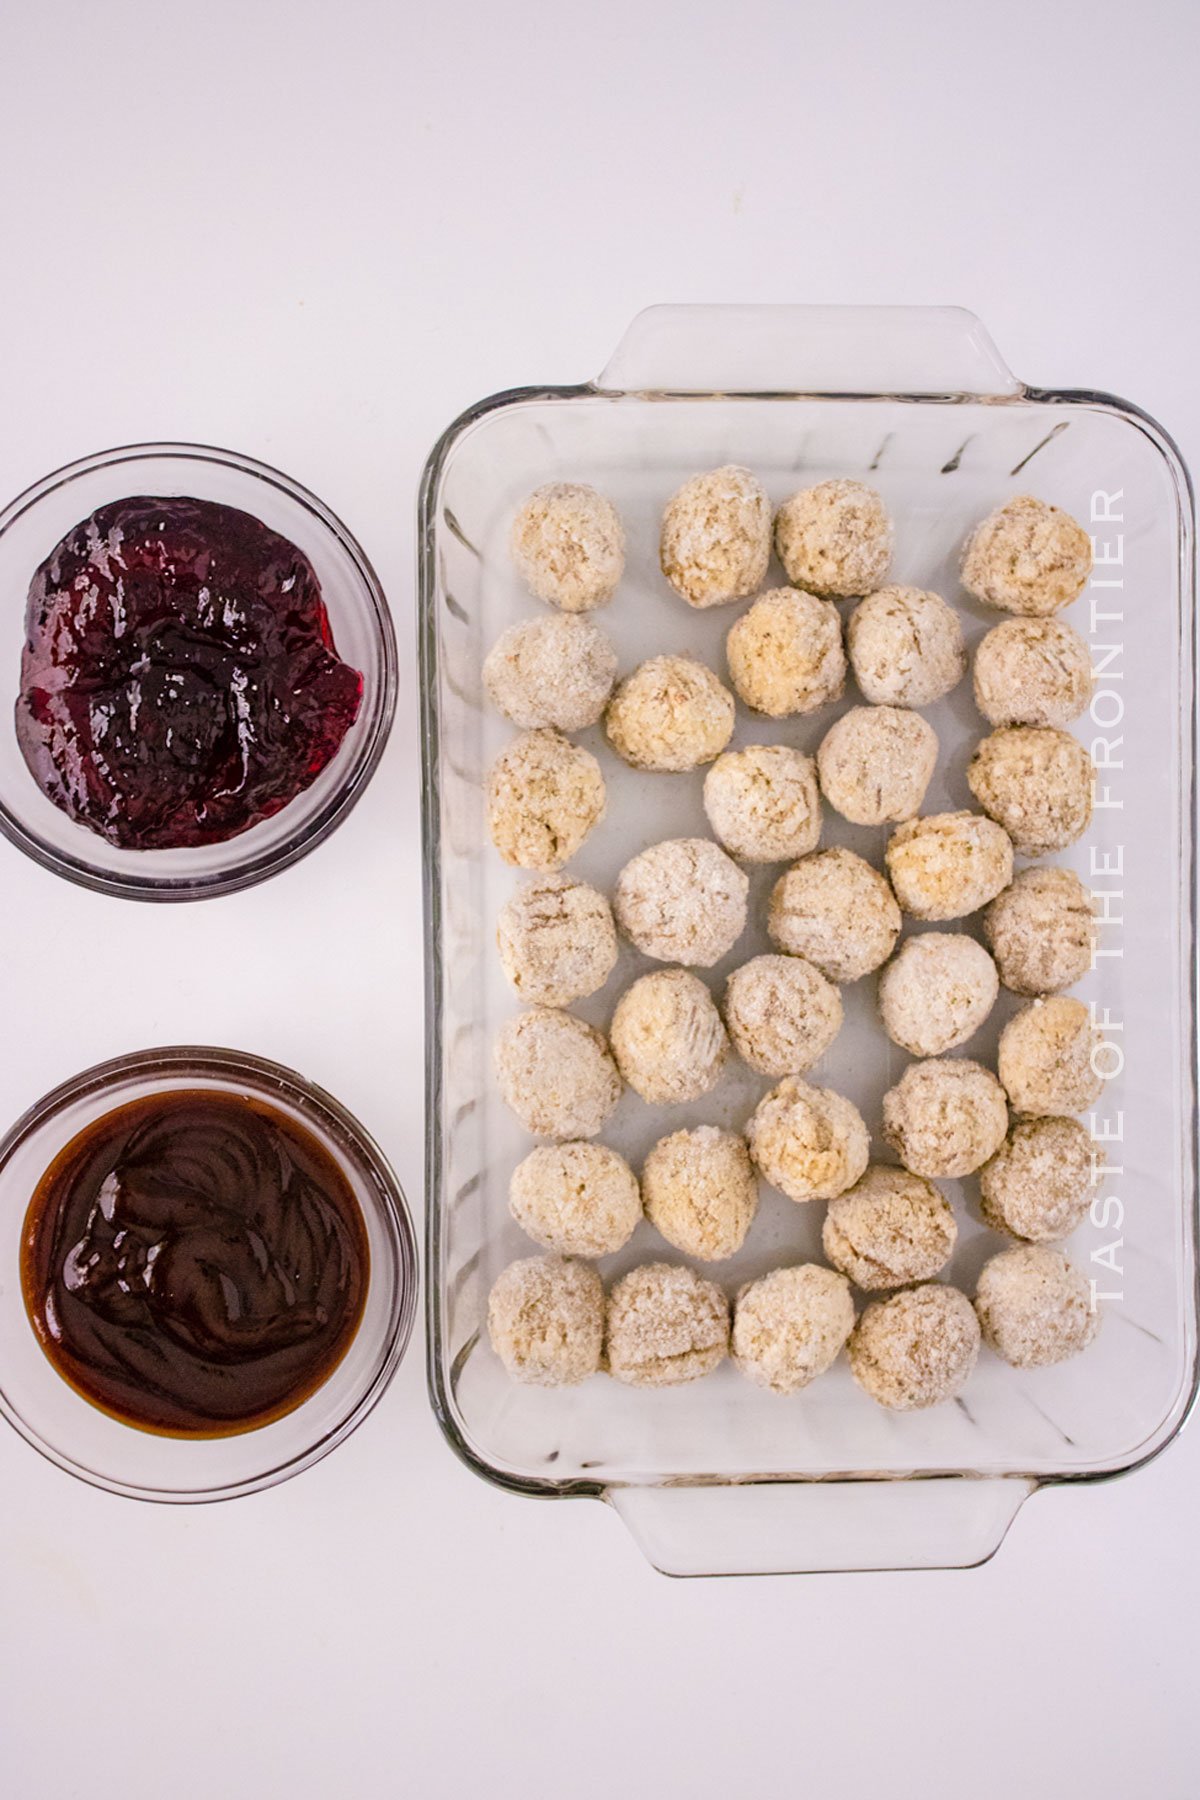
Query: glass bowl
x=36 y=520
x=76 y=1435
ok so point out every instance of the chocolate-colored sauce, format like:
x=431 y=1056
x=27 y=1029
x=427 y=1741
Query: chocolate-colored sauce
x=195 y=1263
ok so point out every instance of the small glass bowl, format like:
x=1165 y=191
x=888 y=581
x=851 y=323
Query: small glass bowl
x=30 y=527
x=76 y=1435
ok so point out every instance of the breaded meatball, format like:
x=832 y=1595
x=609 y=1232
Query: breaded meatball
x=1038 y=1185
x=682 y=901
x=557 y=671
x=1048 y=1057
x=1041 y=930
x=936 y=992
x=716 y=537
x=569 y=546
x=835 y=539
x=947 y=865
x=544 y=795
x=945 y=1116
x=916 y=1349
x=876 y=762
x=579 y=1199
x=557 y=940
x=1036 y=782
x=790 y=1326
x=1027 y=557
x=838 y=912
x=782 y=1014
x=1035 y=1307
x=556 y=1073
x=1032 y=672
x=889 y=1229
x=762 y=803
x=545 y=1320
x=668 y=1038
x=785 y=654
x=700 y=1191
x=670 y=715
x=666 y=1325
x=808 y=1142
x=906 y=647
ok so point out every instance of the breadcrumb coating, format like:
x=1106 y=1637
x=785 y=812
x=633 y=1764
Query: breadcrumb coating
x=666 y=1325
x=1027 y=557
x=545 y=1320
x=1034 y=1307
x=700 y=1191
x=790 y=1326
x=568 y=545
x=716 y=537
x=835 y=539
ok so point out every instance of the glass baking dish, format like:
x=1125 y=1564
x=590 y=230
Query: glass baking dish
x=721 y=1477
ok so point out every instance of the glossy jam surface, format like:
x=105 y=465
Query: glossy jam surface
x=195 y=1263
x=179 y=681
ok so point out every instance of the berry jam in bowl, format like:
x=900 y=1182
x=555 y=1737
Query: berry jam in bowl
x=197 y=671
x=208 y=1274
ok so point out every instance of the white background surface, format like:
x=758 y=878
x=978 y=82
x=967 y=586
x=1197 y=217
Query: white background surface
x=316 y=232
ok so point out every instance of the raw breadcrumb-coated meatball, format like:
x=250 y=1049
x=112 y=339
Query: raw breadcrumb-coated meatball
x=945 y=1116
x=1027 y=557
x=700 y=1191
x=785 y=654
x=915 y=1349
x=682 y=901
x=569 y=546
x=716 y=537
x=889 y=1229
x=544 y=795
x=546 y=1321
x=1032 y=672
x=947 y=865
x=670 y=715
x=936 y=992
x=875 y=764
x=808 y=1142
x=557 y=940
x=1035 y=1307
x=1038 y=1184
x=579 y=1199
x=762 y=803
x=835 y=539
x=790 y=1326
x=782 y=1014
x=1048 y=1056
x=668 y=1038
x=1041 y=930
x=906 y=647
x=556 y=1073
x=838 y=912
x=556 y=670
x=1037 y=783
x=666 y=1325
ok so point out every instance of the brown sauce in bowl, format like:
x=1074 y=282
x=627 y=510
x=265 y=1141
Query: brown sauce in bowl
x=195 y=1263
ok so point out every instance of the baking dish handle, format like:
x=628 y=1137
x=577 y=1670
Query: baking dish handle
x=808 y=350
x=779 y=1528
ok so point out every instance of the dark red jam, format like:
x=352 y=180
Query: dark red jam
x=195 y=1263
x=179 y=681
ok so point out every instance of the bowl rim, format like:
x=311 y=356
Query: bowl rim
x=271 y=1080
x=248 y=870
